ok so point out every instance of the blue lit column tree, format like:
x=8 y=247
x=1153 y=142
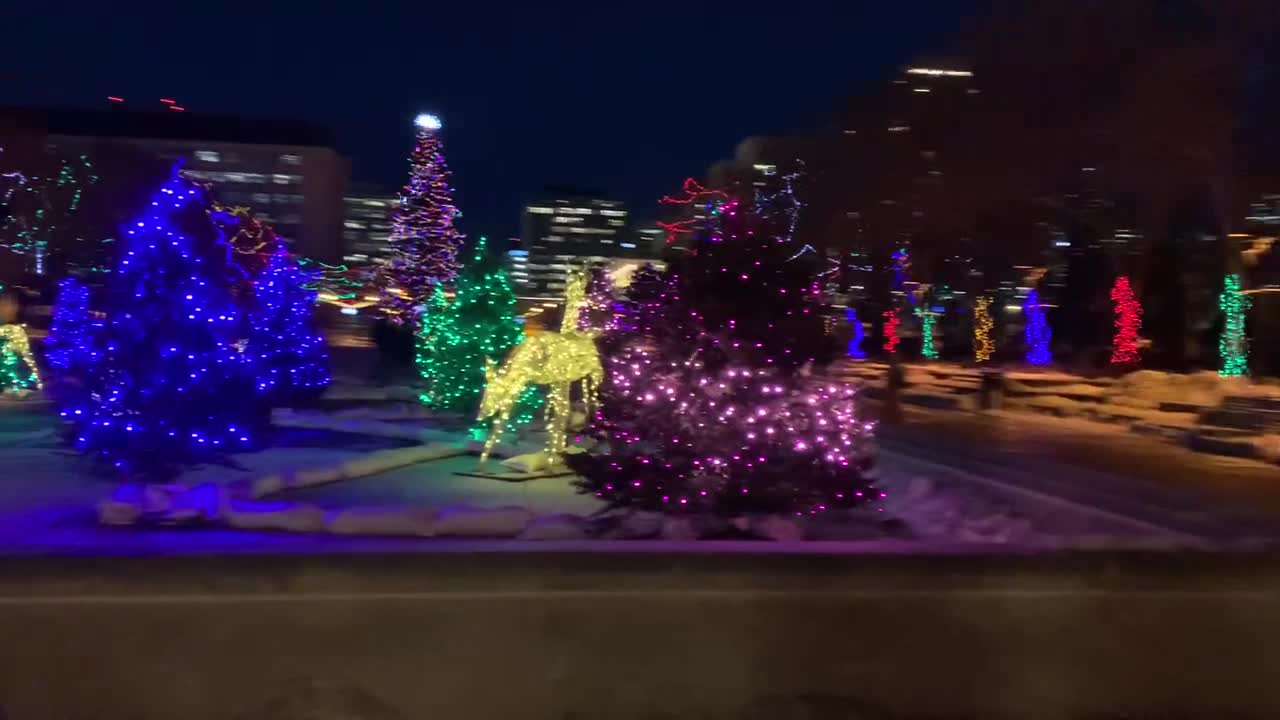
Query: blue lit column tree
x=169 y=385
x=68 y=345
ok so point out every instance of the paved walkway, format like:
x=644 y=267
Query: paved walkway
x=1100 y=465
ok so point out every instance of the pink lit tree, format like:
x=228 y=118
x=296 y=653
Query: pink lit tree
x=424 y=240
x=708 y=405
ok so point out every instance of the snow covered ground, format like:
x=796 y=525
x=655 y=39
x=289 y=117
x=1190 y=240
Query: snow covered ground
x=49 y=495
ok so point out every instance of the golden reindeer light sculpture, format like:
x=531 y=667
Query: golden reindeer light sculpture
x=556 y=360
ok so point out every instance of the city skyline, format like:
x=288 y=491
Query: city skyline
x=522 y=113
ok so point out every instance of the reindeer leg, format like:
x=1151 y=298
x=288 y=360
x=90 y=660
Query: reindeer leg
x=495 y=431
x=556 y=441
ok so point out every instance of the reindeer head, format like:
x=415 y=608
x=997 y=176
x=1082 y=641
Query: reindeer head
x=500 y=387
x=575 y=293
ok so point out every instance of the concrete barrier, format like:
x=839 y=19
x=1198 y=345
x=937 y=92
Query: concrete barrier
x=634 y=635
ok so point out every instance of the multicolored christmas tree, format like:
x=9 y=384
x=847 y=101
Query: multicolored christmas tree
x=251 y=243
x=424 y=241
x=169 y=385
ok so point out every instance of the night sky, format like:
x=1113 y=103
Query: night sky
x=623 y=96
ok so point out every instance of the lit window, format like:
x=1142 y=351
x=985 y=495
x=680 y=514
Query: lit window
x=939 y=72
x=539 y=210
x=627 y=245
x=614 y=213
x=616 y=223
x=560 y=219
x=291 y=159
x=262 y=198
x=285 y=179
x=353 y=225
x=208 y=156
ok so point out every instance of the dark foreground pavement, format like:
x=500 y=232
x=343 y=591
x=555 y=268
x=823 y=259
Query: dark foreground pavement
x=640 y=636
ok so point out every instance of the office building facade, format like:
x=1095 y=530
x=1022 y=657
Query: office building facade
x=366 y=225
x=568 y=228
x=287 y=171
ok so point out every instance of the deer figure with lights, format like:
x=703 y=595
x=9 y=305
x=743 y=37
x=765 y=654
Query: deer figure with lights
x=554 y=359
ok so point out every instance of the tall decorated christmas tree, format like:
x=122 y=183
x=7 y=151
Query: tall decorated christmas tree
x=424 y=241
x=287 y=353
x=458 y=337
x=169 y=385
x=707 y=406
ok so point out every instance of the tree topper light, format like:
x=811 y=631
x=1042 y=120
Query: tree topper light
x=427 y=121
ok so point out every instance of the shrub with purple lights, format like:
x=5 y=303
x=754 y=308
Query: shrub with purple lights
x=288 y=355
x=598 y=312
x=708 y=406
x=168 y=386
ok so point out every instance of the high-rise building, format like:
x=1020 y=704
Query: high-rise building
x=366 y=225
x=568 y=227
x=287 y=171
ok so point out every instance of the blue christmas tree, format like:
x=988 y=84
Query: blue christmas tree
x=169 y=386
x=855 y=343
x=288 y=355
x=69 y=344
x=1037 y=331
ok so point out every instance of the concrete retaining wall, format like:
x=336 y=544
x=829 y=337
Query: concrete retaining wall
x=628 y=635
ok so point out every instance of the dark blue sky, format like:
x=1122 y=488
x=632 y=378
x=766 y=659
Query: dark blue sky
x=625 y=96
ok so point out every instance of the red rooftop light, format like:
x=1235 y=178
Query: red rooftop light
x=113 y=98
x=178 y=108
x=167 y=101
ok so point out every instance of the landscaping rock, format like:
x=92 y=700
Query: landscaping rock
x=465 y=521
x=206 y=501
x=528 y=463
x=679 y=527
x=556 y=527
x=411 y=522
x=294 y=517
x=637 y=525
x=115 y=512
x=778 y=528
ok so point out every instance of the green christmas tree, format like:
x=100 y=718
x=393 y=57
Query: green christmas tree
x=458 y=337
